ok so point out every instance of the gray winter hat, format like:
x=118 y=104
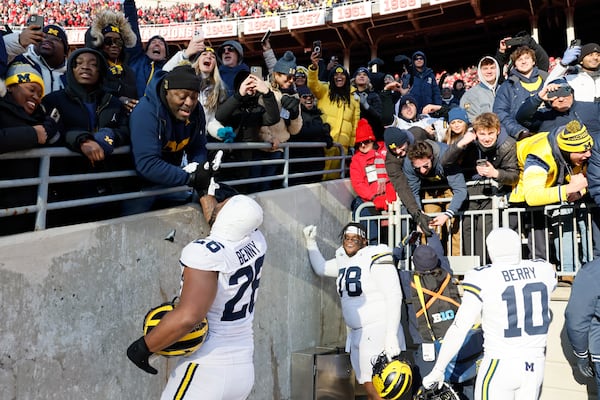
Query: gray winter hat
x=233 y=43
x=286 y=64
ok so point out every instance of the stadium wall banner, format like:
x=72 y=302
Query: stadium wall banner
x=305 y=19
x=229 y=28
x=351 y=12
x=261 y=25
x=395 y=6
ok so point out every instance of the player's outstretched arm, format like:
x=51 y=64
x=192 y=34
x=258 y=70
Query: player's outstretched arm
x=317 y=261
x=467 y=314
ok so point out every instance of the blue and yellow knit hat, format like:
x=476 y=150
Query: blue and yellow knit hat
x=23 y=73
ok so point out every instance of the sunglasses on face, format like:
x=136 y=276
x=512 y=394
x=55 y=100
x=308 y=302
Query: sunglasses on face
x=307 y=96
x=366 y=142
x=113 y=42
x=228 y=49
x=419 y=58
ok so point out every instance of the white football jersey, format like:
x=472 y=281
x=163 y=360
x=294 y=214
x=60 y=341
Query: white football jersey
x=239 y=265
x=362 y=300
x=515 y=306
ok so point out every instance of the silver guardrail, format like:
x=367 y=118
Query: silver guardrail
x=564 y=231
x=45 y=179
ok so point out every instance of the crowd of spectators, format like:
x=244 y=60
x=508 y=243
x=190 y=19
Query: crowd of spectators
x=80 y=13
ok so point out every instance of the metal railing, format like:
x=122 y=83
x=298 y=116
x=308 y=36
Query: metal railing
x=45 y=179
x=561 y=234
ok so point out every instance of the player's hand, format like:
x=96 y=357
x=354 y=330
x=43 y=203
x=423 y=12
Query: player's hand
x=392 y=348
x=585 y=367
x=202 y=179
x=435 y=377
x=139 y=354
x=310 y=235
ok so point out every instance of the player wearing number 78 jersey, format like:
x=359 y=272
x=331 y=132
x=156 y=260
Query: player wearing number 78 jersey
x=221 y=275
x=512 y=297
x=369 y=288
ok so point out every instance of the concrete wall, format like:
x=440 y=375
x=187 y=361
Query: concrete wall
x=72 y=299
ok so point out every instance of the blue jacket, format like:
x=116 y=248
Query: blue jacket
x=158 y=141
x=439 y=175
x=143 y=67
x=424 y=87
x=228 y=76
x=509 y=97
x=582 y=315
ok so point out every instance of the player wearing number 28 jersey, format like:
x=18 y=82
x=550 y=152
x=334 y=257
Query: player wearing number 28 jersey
x=512 y=297
x=369 y=288
x=221 y=275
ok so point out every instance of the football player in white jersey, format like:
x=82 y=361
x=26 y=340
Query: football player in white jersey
x=512 y=297
x=371 y=297
x=221 y=274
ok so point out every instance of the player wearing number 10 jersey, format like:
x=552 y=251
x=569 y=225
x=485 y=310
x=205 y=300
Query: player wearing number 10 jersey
x=221 y=274
x=369 y=288
x=512 y=296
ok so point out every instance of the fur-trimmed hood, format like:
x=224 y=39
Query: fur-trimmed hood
x=105 y=18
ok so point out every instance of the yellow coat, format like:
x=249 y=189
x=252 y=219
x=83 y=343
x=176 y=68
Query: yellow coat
x=343 y=119
x=539 y=173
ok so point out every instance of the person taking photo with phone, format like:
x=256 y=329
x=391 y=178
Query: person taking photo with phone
x=486 y=155
x=48 y=57
x=341 y=109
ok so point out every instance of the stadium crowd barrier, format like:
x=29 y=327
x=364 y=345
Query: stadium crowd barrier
x=559 y=243
x=45 y=179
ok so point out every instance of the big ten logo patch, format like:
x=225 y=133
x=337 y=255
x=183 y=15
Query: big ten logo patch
x=443 y=316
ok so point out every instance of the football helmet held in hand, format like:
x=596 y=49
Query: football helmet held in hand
x=184 y=346
x=391 y=379
x=444 y=393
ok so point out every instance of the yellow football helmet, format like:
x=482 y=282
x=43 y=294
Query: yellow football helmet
x=184 y=346
x=391 y=379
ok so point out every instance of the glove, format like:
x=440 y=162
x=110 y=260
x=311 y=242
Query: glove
x=310 y=234
x=422 y=220
x=392 y=348
x=202 y=179
x=328 y=141
x=226 y=134
x=523 y=133
x=584 y=367
x=105 y=137
x=435 y=377
x=292 y=104
x=139 y=354
x=362 y=97
x=571 y=54
x=380 y=203
x=51 y=127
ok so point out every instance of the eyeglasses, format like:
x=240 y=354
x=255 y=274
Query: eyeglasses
x=113 y=42
x=364 y=143
x=228 y=49
x=419 y=58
